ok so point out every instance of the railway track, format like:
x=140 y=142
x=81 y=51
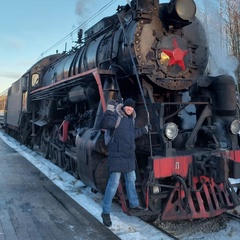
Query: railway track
x=161 y=229
x=201 y=228
x=234 y=215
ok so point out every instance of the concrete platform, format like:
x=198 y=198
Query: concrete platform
x=33 y=208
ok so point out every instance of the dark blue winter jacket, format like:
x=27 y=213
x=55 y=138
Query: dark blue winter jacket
x=122 y=147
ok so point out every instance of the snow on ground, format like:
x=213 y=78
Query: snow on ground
x=124 y=226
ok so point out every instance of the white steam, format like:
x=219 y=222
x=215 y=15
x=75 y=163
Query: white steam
x=220 y=62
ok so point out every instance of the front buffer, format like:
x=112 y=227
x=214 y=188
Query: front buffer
x=195 y=186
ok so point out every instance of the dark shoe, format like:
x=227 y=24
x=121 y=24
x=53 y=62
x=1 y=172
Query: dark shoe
x=138 y=208
x=106 y=219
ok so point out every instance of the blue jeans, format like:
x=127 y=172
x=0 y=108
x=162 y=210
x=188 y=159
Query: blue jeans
x=112 y=186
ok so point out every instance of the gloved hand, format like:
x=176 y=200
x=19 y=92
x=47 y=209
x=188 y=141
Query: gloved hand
x=148 y=127
x=111 y=105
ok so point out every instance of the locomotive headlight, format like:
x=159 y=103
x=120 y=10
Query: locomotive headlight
x=186 y=9
x=171 y=130
x=235 y=126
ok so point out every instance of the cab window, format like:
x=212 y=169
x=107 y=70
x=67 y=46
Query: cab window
x=35 y=79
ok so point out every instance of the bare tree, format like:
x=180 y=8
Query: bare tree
x=231 y=9
x=223 y=27
x=232 y=25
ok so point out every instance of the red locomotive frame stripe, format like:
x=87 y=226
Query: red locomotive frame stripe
x=166 y=167
x=169 y=166
x=234 y=155
x=66 y=80
x=64 y=131
x=100 y=89
x=95 y=72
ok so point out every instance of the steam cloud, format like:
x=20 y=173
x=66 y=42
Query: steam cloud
x=220 y=60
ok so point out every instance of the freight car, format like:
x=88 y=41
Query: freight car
x=156 y=54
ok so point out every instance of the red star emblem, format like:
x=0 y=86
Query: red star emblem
x=176 y=55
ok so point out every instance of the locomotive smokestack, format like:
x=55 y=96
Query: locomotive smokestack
x=80 y=34
x=177 y=13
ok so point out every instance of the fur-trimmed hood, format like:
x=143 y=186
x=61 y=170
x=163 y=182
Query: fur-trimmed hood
x=121 y=149
x=121 y=113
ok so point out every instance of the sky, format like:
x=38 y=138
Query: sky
x=30 y=27
x=124 y=226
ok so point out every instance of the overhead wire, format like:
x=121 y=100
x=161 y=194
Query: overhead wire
x=82 y=25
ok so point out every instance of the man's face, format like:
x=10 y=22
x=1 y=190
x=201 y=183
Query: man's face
x=128 y=110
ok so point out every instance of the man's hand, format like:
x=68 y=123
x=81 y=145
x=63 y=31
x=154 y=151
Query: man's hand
x=148 y=127
x=111 y=105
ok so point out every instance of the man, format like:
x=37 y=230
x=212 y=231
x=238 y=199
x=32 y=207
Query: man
x=121 y=157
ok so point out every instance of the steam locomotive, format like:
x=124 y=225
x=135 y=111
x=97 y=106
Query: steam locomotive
x=158 y=55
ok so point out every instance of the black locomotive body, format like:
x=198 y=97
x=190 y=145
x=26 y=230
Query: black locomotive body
x=156 y=54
